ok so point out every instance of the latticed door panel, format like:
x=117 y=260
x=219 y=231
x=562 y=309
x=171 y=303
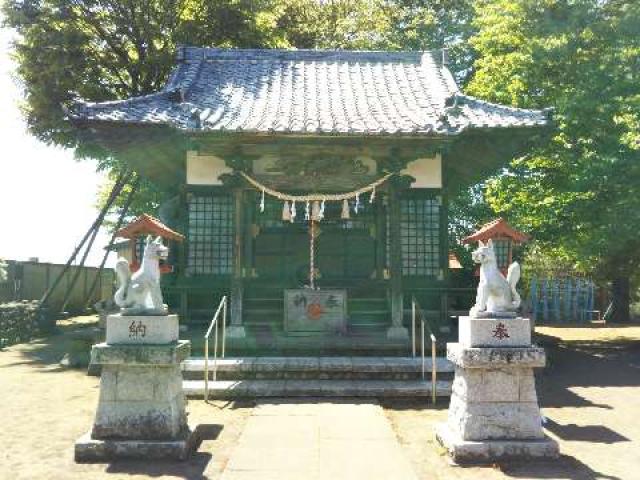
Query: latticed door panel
x=420 y=236
x=210 y=234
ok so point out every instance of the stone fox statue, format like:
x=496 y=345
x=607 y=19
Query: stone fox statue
x=140 y=294
x=495 y=293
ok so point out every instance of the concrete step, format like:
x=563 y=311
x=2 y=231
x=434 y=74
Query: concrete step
x=228 y=389
x=321 y=368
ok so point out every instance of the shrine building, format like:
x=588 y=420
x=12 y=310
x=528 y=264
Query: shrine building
x=311 y=186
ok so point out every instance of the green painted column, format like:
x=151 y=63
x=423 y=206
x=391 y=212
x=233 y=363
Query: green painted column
x=396 y=330
x=236 y=329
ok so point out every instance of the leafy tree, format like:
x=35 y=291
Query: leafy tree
x=4 y=274
x=435 y=24
x=580 y=194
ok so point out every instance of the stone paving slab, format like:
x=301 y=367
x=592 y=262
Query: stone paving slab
x=318 y=441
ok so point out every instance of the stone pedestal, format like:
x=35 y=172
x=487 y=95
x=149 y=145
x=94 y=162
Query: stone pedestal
x=142 y=408
x=142 y=329
x=494 y=413
x=494 y=332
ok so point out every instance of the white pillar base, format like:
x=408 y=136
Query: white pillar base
x=236 y=331
x=398 y=333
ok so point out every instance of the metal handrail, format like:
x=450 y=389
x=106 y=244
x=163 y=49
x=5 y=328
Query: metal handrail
x=415 y=308
x=222 y=306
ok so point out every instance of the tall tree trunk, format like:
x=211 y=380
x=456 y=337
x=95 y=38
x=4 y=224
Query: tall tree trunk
x=621 y=300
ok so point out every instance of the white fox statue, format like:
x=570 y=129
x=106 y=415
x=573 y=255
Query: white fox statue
x=496 y=295
x=140 y=294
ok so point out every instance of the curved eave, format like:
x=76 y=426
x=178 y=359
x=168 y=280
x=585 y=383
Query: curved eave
x=479 y=153
x=418 y=133
x=473 y=152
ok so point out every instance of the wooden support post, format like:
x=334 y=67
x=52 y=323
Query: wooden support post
x=250 y=223
x=381 y=237
x=396 y=330
x=184 y=305
x=117 y=188
x=444 y=256
x=123 y=213
x=236 y=329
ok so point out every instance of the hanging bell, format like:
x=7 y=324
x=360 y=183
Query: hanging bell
x=345 y=210
x=286 y=212
x=292 y=218
x=315 y=211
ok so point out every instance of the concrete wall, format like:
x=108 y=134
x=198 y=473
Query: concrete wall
x=30 y=280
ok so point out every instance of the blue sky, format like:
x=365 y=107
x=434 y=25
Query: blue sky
x=47 y=198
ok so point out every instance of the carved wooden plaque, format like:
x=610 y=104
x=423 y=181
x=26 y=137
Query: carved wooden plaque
x=307 y=310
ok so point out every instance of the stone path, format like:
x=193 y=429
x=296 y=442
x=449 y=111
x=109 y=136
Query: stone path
x=318 y=441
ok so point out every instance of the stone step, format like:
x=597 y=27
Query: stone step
x=322 y=368
x=228 y=389
x=362 y=340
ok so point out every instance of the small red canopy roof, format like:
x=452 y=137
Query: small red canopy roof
x=147 y=225
x=496 y=229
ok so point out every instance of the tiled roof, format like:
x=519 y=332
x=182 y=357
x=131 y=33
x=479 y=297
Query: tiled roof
x=146 y=224
x=496 y=228
x=311 y=92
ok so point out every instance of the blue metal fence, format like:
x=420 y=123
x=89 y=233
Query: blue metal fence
x=562 y=300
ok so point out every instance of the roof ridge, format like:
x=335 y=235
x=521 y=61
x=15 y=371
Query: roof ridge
x=188 y=54
x=470 y=98
x=82 y=103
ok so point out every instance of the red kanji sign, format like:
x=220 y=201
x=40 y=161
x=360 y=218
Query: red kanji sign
x=500 y=332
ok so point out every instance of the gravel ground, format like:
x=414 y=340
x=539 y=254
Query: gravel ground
x=45 y=408
x=589 y=393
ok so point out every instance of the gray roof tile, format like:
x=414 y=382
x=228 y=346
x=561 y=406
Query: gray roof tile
x=310 y=91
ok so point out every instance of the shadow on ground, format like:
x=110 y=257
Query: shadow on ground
x=565 y=467
x=584 y=433
x=69 y=341
x=193 y=469
x=582 y=363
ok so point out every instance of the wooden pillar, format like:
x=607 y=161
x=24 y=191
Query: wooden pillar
x=184 y=305
x=181 y=267
x=380 y=238
x=396 y=330
x=443 y=276
x=249 y=234
x=236 y=329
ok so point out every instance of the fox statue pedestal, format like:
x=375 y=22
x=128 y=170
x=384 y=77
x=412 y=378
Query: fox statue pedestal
x=141 y=409
x=494 y=413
